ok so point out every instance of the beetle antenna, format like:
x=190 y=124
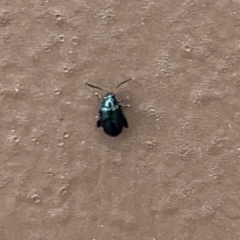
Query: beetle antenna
x=93 y=86
x=123 y=82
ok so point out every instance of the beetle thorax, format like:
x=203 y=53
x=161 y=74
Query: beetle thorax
x=109 y=103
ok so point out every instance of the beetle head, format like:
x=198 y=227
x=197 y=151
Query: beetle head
x=109 y=95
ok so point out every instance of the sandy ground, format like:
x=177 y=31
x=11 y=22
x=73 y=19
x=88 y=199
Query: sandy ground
x=174 y=174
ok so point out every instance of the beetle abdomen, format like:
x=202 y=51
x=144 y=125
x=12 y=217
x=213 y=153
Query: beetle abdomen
x=111 y=128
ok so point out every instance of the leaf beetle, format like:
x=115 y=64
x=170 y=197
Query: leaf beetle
x=111 y=117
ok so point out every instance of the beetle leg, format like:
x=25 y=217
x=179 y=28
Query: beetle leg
x=126 y=98
x=125 y=106
x=125 y=122
x=98 y=123
x=98 y=95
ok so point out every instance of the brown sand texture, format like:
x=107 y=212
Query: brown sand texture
x=173 y=174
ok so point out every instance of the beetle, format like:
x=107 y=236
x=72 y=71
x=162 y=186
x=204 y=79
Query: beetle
x=111 y=117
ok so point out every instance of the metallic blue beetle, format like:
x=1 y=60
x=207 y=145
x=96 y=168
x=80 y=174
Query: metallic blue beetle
x=111 y=117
